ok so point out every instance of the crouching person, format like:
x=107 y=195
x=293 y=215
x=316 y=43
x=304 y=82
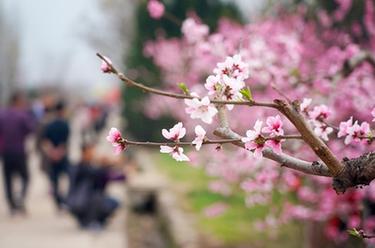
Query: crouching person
x=87 y=199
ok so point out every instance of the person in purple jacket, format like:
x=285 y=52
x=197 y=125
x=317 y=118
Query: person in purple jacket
x=16 y=123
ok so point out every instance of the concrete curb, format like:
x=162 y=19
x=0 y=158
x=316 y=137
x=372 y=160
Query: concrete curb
x=178 y=224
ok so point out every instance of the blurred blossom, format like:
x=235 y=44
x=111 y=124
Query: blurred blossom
x=155 y=9
x=215 y=210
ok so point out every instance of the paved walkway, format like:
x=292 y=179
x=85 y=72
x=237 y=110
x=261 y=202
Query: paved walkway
x=45 y=228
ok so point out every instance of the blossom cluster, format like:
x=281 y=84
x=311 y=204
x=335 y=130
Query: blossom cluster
x=256 y=142
x=317 y=117
x=200 y=109
x=302 y=59
x=353 y=132
x=176 y=133
x=228 y=79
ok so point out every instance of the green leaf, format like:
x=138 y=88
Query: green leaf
x=354 y=232
x=295 y=73
x=246 y=93
x=184 y=88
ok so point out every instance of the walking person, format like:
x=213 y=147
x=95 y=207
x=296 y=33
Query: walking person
x=16 y=123
x=55 y=145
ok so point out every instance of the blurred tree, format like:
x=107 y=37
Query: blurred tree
x=9 y=54
x=146 y=28
x=354 y=15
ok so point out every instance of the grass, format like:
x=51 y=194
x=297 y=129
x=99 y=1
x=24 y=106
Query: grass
x=236 y=226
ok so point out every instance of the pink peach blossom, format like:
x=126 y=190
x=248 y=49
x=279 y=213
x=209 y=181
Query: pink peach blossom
x=274 y=126
x=193 y=31
x=115 y=138
x=233 y=67
x=213 y=84
x=274 y=144
x=215 y=209
x=305 y=104
x=200 y=134
x=201 y=109
x=322 y=130
x=357 y=132
x=251 y=142
x=176 y=133
x=320 y=112
x=106 y=65
x=114 y=135
x=343 y=128
x=176 y=152
x=155 y=9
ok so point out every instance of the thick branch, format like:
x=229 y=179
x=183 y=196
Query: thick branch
x=312 y=168
x=358 y=171
x=317 y=145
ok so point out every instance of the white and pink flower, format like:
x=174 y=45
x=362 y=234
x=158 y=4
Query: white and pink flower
x=305 y=104
x=200 y=135
x=176 y=152
x=357 y=132
x=232 y=87
x=233 y=67
x=373 y=114
x=253 y=138
x=344 y=126
x=176 y=133
x=201 y=109
x=194 y=31
x=322 y=130
x=213 y=84
x=353 y=132
x=320 y=112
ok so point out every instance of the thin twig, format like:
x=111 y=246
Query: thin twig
x=205 y=142
x=286 y=137
x=143 y=87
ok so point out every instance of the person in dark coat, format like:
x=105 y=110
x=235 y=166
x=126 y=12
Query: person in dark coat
x=16 y=123
x=55 y=137
x=87 y=199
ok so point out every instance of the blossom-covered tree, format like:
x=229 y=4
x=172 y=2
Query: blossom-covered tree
x=274 y=71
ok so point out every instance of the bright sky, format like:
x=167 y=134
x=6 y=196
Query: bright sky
x=53 y=43
x=54 y=47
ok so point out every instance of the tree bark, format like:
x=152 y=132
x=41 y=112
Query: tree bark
x=356 y=173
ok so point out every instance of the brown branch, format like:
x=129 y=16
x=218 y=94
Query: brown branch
x=349 y=173
x=291 y=111
x=311 y=168
x=143 y=87
x=356 y=172
x=286 y=137
x=205 y=141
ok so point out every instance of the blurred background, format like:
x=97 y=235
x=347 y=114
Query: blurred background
x=61 y=184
